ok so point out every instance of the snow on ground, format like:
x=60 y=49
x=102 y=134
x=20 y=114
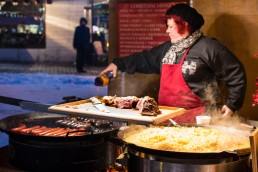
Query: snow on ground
x=43 y=88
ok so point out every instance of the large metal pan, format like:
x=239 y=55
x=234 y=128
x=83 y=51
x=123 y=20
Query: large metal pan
x=59 y=153
x=179 y=157
x=47 y=119
x=139 y=158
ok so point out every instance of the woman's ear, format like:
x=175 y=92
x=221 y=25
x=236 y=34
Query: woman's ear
x=186 y=24
x=187 y=27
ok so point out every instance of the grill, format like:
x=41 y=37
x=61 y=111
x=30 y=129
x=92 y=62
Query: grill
x=91 y=151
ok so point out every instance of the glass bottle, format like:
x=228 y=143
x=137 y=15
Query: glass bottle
x=104 y=79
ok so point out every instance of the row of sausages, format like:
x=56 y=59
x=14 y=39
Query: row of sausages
x=48 y=131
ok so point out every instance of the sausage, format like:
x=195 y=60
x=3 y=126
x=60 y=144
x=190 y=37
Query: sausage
x=28 y=130
x=78 y=133
x=22 y=126
x=52 y=133
x=39 y=130
x=46 y=131
x=62 y=133
x=70 y=132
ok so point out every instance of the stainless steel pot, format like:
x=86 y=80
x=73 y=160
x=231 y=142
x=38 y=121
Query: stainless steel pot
x=149 y=163
x=147 y=160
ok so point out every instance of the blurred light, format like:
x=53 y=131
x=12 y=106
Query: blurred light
x=61 y=23
x=100 y=3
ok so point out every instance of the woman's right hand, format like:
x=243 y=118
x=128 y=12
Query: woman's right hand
x=111 y=68
x=226 y=112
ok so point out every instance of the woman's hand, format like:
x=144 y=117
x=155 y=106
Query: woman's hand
x=226 y=112
x=111 y=68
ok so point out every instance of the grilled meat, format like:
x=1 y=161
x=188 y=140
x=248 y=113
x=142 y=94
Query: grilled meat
x=148 y=106
x=72 y=126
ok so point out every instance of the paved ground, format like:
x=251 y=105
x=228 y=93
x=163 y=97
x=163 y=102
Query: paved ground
x=48 y=68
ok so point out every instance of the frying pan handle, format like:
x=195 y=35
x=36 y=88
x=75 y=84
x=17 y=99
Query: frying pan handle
x=12 y=101
x=24 y=104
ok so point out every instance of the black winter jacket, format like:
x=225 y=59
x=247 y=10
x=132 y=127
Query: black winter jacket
x=81 y=37
x=207 y=64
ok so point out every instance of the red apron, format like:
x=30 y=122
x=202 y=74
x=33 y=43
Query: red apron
x=175 y=92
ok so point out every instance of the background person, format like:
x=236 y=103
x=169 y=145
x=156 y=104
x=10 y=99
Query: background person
x=189 y=63
x=81 y=43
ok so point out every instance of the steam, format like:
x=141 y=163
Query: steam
x=214 y=110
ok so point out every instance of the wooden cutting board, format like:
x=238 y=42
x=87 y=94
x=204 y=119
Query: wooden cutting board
x=254 y=150
x=85 y=107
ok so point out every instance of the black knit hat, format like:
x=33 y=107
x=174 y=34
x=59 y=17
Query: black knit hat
x=188 y=14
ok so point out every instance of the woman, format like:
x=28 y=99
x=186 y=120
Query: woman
x=189 y=64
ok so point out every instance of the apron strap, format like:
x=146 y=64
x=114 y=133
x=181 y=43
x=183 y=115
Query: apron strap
x=184 y=55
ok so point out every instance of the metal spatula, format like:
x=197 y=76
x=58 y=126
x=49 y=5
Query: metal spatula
x=174 y=123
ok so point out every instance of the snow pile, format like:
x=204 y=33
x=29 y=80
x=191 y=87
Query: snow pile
x=43 y=88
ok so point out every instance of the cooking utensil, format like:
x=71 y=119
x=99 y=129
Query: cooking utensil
x=91 y=151
x=143 y=159
x=25 y=104
x=98 y=104
x=195 y=155
x=174 y=123
x=46 y=119
x=248 y=126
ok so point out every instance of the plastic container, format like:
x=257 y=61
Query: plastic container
x=203 y=119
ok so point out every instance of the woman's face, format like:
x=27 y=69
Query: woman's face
x=172 y=30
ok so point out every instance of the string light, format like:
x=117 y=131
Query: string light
x=255 y=95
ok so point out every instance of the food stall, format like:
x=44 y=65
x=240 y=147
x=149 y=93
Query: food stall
x=79 y=135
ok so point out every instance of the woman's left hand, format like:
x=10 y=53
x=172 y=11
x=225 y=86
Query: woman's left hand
x=226 y=112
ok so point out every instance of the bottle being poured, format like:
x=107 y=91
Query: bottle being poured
x=104 y=79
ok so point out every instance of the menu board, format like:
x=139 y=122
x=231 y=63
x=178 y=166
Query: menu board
x=141 y=26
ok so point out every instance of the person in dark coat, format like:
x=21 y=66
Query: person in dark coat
x=191 y=65
x=81 y=43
